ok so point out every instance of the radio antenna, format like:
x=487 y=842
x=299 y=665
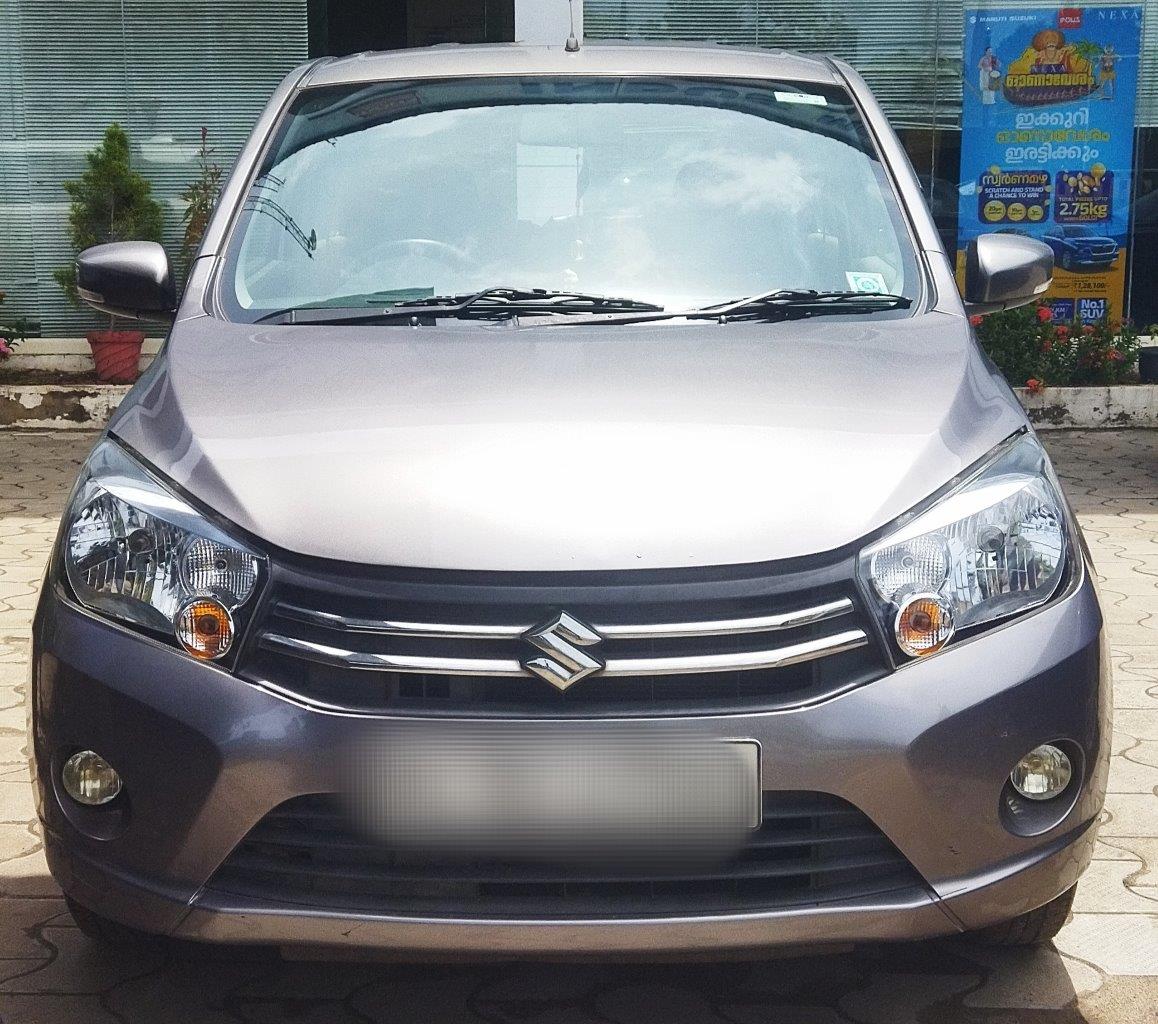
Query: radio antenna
x=572 y=44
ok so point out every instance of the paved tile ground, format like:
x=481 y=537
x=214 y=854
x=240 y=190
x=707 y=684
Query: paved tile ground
x=1104 y=967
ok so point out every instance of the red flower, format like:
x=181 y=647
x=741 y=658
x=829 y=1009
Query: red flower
x=1115 y=355
x=5 y=350
x=1034 y=386
x=975 y=320
x=1063 y=331
x=1044 y=314
x=1087 y=330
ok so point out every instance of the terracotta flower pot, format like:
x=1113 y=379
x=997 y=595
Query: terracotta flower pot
x=117 y=355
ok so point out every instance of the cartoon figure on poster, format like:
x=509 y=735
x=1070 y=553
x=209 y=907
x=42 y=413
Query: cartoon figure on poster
x=990 y=79
x=1107 y=77
x=1048 y=142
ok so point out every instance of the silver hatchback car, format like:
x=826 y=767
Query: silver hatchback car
x=570 y=515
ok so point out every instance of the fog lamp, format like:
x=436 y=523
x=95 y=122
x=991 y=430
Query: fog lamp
x=89 y=779
x=1042 y=774
x=924 y=624
x=204 y=628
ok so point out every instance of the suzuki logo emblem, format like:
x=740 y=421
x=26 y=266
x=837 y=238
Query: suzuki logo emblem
x=562 y=640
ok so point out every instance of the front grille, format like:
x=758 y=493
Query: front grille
x=812 y=849
x=665 y=649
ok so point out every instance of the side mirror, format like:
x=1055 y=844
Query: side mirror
x=1003 y=271
x=127 y=279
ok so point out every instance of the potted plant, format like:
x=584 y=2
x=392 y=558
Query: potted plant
x=110 y=203
x=199 y=197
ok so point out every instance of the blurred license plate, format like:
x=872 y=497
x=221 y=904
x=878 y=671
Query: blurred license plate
x=550 y=791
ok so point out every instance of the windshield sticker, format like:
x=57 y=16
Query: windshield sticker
x=863 y=281
x=801 y=97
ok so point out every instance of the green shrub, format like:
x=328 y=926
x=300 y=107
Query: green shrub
x=1034 y=351
x=110 y=203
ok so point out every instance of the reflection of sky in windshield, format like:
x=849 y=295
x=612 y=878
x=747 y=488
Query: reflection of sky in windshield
x=681 y=205
x=719 y=177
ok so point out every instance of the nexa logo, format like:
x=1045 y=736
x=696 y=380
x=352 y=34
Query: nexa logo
x=1069 y=17
x=562 y=640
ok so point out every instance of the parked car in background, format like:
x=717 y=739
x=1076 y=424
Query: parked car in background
x=1080 y=248
x=570 y=514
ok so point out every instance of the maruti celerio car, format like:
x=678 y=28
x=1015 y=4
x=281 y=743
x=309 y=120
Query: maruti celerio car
x=570 y=514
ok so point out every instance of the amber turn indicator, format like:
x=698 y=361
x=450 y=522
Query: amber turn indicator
x=924 y=624
x=205 y=628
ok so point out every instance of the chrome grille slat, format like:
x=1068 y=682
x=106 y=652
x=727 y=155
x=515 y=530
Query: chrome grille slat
x=728 y=627
x=426 y=665
x=739 y=661
x=388 y=627
x=618 y=631
x=733 y=661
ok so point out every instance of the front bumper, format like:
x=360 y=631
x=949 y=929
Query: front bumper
x=923 y=752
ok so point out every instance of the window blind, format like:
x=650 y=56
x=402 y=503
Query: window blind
x=160 y=68
x=909 y=51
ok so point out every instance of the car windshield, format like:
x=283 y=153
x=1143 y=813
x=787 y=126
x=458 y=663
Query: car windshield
x=679 y=192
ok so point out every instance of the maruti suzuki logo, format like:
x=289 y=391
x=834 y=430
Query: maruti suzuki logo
x=562 y=641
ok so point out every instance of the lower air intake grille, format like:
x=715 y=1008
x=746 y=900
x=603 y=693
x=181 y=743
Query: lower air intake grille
x=811 y=849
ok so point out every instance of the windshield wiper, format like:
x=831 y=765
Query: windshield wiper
x=488 y=304
x=789 y=302
x=536 y=299
x=781 y=304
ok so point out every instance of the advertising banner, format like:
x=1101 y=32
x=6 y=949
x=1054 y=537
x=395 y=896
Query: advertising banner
x=1047 y=142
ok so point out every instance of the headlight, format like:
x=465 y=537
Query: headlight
x=993 y=547
x=135 y=551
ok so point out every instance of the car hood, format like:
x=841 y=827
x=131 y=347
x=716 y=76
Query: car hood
x=503 y=447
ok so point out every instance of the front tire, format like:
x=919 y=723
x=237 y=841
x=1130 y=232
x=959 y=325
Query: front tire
x=103 y=930
x=1034 y=928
